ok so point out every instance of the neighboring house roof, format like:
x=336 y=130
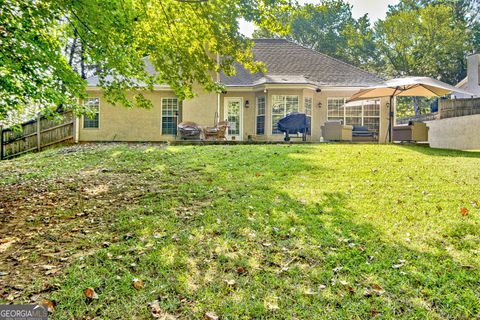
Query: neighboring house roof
x=289 y=63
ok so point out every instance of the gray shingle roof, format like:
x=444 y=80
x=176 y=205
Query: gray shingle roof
x=287 y=62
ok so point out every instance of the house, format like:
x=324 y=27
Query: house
x=297 y=79
x=471 y=83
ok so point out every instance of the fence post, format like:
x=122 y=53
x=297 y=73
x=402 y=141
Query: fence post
x=39 y=133
x=1 y=142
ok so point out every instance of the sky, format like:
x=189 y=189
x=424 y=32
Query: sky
x=376 y=9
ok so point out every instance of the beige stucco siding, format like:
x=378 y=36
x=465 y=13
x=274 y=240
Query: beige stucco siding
x=201 y=109
x=118 y=123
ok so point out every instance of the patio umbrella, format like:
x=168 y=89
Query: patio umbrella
x=410 y=87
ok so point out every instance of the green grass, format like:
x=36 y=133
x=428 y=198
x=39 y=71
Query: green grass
x=314 y=228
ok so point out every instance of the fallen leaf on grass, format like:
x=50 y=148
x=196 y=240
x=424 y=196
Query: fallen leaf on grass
x=464 y=211
x=50 y=305
x=90 y=293
x=271 y=304
x=6 y=243
x=230 y=282
x=158 y=313
x=309 y=292
x=52 y=271
x=210 y=316
x=241 y=270
x=374 y=313
x=137 y=283
x=379 y=290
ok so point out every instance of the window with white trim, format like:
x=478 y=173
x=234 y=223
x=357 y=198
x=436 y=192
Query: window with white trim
x=307 y=106
x=281 y=106
x=170 y=114
x=366 y=114
x=261 y=115
x=92 y=121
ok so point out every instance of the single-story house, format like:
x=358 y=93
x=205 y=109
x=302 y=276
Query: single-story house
x=297 y=79
x=471 y=82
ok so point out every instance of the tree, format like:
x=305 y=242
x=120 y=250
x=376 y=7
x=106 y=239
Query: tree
x=424 y=39
x=329 y=27
x=181 y=39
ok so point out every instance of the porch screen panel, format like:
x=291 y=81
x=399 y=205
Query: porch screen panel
x=371 y=115
x=170 y=111
x=261 y=115
x=93 y=121
x=367 y=114
x=353 y=115
x=281 y=106
x=308 y=112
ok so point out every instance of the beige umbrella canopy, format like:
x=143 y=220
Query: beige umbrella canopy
x=410 y=87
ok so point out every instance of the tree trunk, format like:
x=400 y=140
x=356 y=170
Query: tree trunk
x=415 y=106
x=73 y=48
x=83 y=72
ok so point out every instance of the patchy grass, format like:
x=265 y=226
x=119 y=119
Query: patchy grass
x=287 y=231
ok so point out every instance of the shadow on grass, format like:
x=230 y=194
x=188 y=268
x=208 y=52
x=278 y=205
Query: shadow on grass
x=441 y=152
x=223 y=233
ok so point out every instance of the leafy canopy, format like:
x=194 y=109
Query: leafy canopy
x=329 y=27
x=182 y=40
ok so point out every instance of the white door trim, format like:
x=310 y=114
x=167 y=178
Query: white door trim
x=238 y=137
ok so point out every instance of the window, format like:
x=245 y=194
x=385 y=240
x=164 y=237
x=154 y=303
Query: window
x=170 y=113
x=261 y=115
x=335 y=110
x=366 y=114
x=308 y=102
x=92 y=121
x=281 y=106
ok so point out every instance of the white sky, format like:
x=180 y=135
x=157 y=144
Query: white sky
x=376 y=9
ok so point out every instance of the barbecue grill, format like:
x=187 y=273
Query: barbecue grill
x=294 y=123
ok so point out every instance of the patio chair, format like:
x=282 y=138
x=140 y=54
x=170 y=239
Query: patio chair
x=334 y=130
x=219 y=132
x=414 y=131
x=362 y=133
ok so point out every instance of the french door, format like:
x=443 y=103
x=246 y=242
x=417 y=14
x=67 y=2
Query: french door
x=234 y=114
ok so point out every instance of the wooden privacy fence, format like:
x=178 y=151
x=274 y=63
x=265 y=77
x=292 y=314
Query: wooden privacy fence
x=458 y=108
x=35 y=135
x=420 y=118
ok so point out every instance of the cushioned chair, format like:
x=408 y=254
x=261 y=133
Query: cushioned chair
x=414 y=131
x=218 y=132
x=361 y=133
x=334 y=130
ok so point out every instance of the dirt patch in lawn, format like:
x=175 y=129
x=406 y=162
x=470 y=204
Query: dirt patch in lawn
x=46 y=223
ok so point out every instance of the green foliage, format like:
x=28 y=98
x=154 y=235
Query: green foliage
x=182 y=40
x=32 y=67
x=424 y=41
x=329 y=27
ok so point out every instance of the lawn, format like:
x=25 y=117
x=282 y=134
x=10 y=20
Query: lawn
x=278 y=231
